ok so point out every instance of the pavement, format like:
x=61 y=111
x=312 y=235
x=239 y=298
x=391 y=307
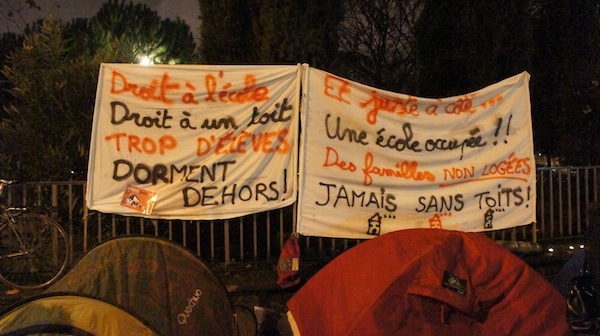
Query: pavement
x=10 y=296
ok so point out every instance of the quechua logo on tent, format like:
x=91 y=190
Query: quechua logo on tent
x=187 y=311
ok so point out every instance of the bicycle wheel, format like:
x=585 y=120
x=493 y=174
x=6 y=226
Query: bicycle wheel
x=34 y=251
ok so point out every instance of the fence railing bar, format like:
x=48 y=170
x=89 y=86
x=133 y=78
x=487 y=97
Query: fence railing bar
x=38 y=200
x=596 y=187
x=561 y=230
x=184 y=238
x=99 y=228
x=226 y=242
x=569 y=208
x=578 y=199
x=551 y=197
x=198 y=239
x=212 y=241
x=86 y=215
x=113 y=225
x=541 y=208
x=241 y=229
x=281 y=229
x=71 y=218
x=155 y=224
x=268 y=235
x=320 y=240
x=254 y=237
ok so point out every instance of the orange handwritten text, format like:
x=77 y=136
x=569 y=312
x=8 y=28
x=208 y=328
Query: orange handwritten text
x=188 y=97
x=336 y=88
x=390 y=105
x=403 y=169
x=510 y=168
x=492 y=102
x=462 y=105
x=251 y=93
x=512 y=165
x=332 y=159
x=142 y=145
x=230 y=143
x=156 y=91
x=459 y=173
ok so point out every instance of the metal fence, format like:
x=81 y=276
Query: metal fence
x=563 y=194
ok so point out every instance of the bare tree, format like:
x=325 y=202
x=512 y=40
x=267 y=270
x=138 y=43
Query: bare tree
x=377 y=39
x=11 y=13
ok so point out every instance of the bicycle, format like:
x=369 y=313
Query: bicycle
x=34 y=248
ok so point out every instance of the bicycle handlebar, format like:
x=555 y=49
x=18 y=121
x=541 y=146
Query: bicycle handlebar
x=4 y=183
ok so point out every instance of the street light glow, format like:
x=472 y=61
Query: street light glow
x=146 y=60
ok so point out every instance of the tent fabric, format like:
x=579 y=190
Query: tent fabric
x=428 y=282
x=155 y=279
x=132 y=282
x=135 y=285
x=70 y=315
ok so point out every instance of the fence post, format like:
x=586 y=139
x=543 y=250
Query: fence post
x=85 y=219
x=226 y=242
x=54 y=204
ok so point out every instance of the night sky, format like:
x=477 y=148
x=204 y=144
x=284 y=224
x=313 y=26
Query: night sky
x=187 y=10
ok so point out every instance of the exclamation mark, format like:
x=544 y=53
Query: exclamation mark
x=497 y=130
x=508 y=126
x=285 y=181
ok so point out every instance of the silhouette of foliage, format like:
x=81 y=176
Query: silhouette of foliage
x=51 y=79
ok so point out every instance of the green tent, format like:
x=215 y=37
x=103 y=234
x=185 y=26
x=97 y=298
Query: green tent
x=159 y=284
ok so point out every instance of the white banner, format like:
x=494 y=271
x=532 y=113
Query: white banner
x=194 y=142
x=374 y=161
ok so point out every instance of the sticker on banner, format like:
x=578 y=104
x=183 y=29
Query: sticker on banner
x=139 y=199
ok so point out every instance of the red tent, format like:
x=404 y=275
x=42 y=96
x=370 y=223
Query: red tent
x=428 y=282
